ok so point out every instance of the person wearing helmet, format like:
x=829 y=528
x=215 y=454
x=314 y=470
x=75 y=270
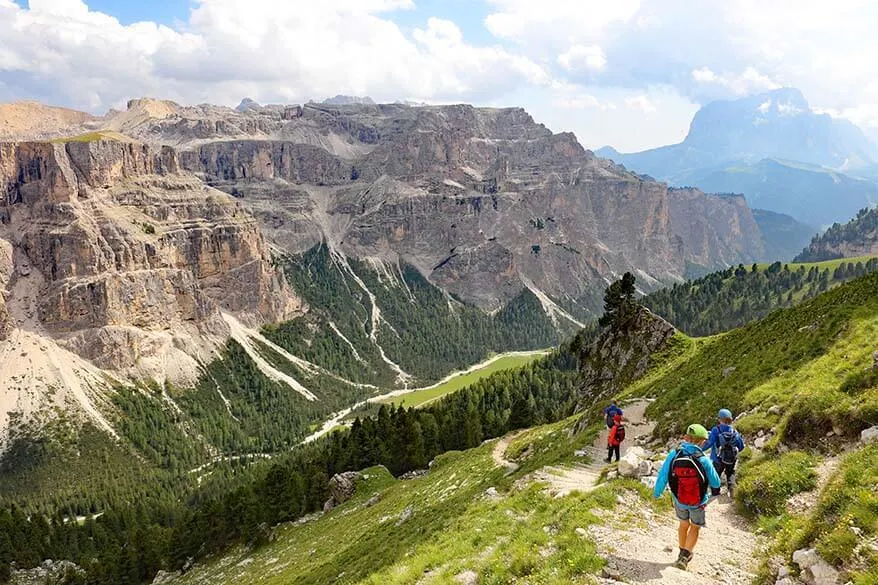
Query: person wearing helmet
x=725 y=443
x=689 y=473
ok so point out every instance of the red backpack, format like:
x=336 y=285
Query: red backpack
x=620 y=433
x=688 y=479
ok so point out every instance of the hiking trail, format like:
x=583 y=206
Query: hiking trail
x=640 y=544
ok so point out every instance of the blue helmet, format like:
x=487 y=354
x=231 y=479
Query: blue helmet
x=725 y=413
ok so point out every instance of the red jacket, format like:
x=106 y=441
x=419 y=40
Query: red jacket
x=611 y=440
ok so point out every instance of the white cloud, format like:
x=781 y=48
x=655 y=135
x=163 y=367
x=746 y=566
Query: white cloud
x=640 y=102
x=747 y=82
x=574 y=97
x=271 y=50
x=579 y=57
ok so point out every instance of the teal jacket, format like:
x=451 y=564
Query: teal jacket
x=712 y=477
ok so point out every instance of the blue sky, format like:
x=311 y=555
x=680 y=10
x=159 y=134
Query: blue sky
x=630 y=73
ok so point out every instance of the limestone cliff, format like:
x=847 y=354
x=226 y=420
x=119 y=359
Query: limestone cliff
x=485 y=202
x=113 y=253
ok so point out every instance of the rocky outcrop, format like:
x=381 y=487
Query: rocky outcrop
x=621 y=354
x=123 y=259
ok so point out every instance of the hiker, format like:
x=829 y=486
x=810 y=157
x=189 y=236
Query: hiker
x=688 y=472
x=610 y=413
x=615 y=438
x=725 y=443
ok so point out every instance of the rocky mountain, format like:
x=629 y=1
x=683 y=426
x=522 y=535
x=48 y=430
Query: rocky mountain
x=412 y=241
x=114 y=259
x=484 y=202
x=858 y=237
x=774 y=149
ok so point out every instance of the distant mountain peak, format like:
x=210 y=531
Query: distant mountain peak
x=247 y=104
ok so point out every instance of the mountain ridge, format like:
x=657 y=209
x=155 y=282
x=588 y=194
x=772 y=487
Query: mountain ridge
x=773 y=148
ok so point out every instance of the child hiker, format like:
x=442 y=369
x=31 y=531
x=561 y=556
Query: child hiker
x=615 y=438
x=689 y=473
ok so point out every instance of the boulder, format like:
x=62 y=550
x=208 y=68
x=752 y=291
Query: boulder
x=630 y=463
x=406 y=514
x=341 y=488
x=814 y=570
x=729 y=371
x=759 y=443
x=869 y=435
x=776 y=409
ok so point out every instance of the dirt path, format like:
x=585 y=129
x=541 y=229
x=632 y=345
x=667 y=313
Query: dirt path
x=640 y=544
x=584 y=477
x=499 y=453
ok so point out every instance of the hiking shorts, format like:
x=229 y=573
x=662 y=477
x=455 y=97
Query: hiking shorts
x=696 y=516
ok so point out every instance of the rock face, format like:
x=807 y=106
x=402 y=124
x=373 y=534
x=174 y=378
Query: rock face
x=484 y=202
x=621 y=354
x=110 y=251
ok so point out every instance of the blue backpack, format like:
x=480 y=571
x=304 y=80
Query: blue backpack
x=728 y=448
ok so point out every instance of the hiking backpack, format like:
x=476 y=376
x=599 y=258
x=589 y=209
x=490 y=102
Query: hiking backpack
x=610 y=416
x=620 y=434
x=688 y=478
x=728 y=450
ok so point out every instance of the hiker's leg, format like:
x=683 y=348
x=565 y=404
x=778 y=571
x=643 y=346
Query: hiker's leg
x=617 y=450
x=730 y=477
x=692 y=537
x=718 y=465
x=609 y=453
x=683 y=533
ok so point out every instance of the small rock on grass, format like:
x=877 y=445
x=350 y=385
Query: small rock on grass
x=467 y=578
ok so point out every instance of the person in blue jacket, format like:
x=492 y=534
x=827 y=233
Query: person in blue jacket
x=725 y=443
x=689 y=473
x=610 y=413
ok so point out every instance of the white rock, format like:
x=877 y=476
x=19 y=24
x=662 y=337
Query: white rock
x=467 y=578
x=759 y=443
x=806 y=558
x=815 y=571
x=491 y=492
x=629 y=464
x=775 y=409
x=581 y=532
x=869 y=435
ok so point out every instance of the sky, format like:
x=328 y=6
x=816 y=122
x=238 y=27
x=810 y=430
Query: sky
x=626 y=73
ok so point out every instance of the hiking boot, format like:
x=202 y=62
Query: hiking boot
x=683 y=560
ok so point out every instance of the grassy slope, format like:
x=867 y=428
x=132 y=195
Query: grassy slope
x=454 y=527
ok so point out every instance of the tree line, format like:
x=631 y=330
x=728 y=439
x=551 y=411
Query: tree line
x=731 y=298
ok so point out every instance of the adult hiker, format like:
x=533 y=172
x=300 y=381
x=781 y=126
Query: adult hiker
x=688 y=472
x=610 y=413
x=615 y=438
x=725 y=443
